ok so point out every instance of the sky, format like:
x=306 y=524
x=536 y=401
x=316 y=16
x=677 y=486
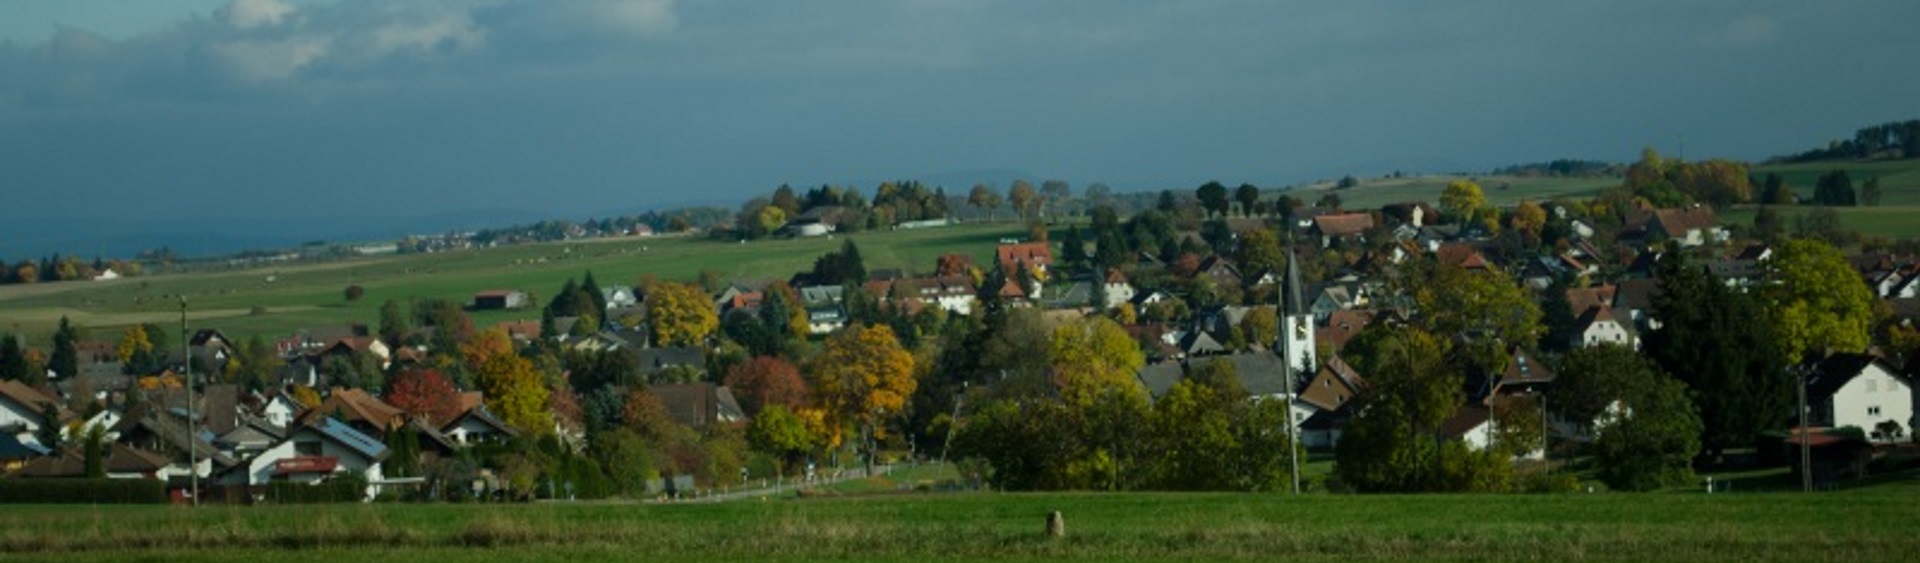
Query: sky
x=246 y=118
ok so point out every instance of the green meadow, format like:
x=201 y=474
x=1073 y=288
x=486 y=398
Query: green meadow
x=1861 y=525
x=274 y=300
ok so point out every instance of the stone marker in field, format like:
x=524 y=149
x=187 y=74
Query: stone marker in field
x=1056 y=525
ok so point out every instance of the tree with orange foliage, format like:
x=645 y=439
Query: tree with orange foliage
x=766 y=381
x=861 y=377
x=513 y=388
x=425 y=393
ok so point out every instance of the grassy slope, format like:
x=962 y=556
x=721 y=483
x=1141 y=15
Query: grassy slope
x=312 y=295
x=1500 y=190
x=1855 y=526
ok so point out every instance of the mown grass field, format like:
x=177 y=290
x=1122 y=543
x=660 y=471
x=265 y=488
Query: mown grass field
x=1887 y=221
x=1854 y=526
x=313 y=295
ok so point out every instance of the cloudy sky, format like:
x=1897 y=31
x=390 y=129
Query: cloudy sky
x=300 y=114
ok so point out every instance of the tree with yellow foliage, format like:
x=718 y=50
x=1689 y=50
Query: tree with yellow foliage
x=681 y=314
x=1093 y=356
x=1530 y=218
x=861 y=377
x=513 y=388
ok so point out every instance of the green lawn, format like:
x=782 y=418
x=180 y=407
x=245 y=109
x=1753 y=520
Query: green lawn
x=313 y=295
x=1855 y=526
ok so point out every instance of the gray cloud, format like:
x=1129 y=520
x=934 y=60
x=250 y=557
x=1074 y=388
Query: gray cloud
x=394 y=108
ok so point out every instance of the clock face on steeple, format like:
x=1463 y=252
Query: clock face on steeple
x=1300 y=328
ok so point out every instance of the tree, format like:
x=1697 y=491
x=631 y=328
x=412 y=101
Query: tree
x=780 y=432
x=1529 y=218
x=680 y=314
x=1213 y=198
x=354 y=292
x=66 y=357
x=1645 y=427
x=984 y=196
x=1767 y=224
x=514 y=390
x=1057 y=192
x=767 y=381
x=1834 y=189
x=1093 y=356
x=1483 y=305
x=785 y=200
x=393 y=323
x=95 y=444
x=1261 y=326
x=1775 y=191
x=1463 y=201
x=1870 y=192
x=1249 y=197
x=425 y=393
x=1818 y=302
x=862 y=376
x=1023 y=198
x=1718 y=341
x=135 y=351
x=1389 y=445
x=13 y=360
x=1259 y=252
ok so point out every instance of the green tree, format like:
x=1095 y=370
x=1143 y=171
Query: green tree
x=1249 y=198
x=394 y=324
x=1213 y=198
x=1834 y=189
x=1259 y=252
x=65 y=361
x=13 y=360
x=1484 y=306
x=1023 y=198
x=1719 y=342
x=95 y=446
x=1646 y=431
x=984 y=197
x=780 y=432
x=1818 y=302
x=1870 y=192
x=514 y=390
x=1389 y=445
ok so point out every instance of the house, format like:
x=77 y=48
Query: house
x=1328 y=397
x=21 y=409
x=477 y=425
x=656 y=360
x=497 y=299
x=1341 y=327
x=954 y=293
x=357 y=408
x=1689 y=226
x=164 y=431
x=1221 y=271
x=1597 y=326
x=119 y=461
x=1861 y=391
x=14 y=453
x=1117 y=288
x=1037 y=256
x=314 y=453
x=1415 y=214
x=699 y=405
x=1344 y=227
x=618 y=296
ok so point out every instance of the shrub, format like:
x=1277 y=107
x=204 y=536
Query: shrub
x=82 y=491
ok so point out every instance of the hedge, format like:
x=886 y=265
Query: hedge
x=83 y=491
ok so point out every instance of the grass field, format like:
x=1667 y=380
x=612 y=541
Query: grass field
x=1855 y=526
x=313 y=295
x=1888 y=221
x=1899 y=179
x=1500 y=190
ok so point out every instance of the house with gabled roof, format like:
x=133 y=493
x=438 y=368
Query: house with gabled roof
x=312 y=453
x=1035 y=255
x=21 y=408
x=119 y=461
x=477 y=425
x=1688 y=226
x=699 y=405
x=1860 y=390
x=1341 y=227
x=359 y=409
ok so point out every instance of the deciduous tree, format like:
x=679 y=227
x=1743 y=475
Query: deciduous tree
x=1093 y=356
x=861 y=377
x=513 y=388
x=1719 y=342
x=767 y=381
x=680 y=314
x=424 y=393
x=1817 y=301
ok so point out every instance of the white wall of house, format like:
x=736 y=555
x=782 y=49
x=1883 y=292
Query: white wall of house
x=260 y=468
x=1871 y=398
x=12 y=413
x=1118 y=293
x=1606 y=332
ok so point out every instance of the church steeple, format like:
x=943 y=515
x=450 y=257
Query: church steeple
x=1296 y=324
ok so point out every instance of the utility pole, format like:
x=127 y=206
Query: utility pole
x=1806 y=451
x=1289 y=297
x=186 y=370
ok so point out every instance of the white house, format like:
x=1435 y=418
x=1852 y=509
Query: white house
x=1861 y=391
x=1598 y=326
x=315 y=453
x=1118 y=289
x=20 y=410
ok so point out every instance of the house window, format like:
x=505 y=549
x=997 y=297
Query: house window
x=1873 y=411
x=306 y=448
